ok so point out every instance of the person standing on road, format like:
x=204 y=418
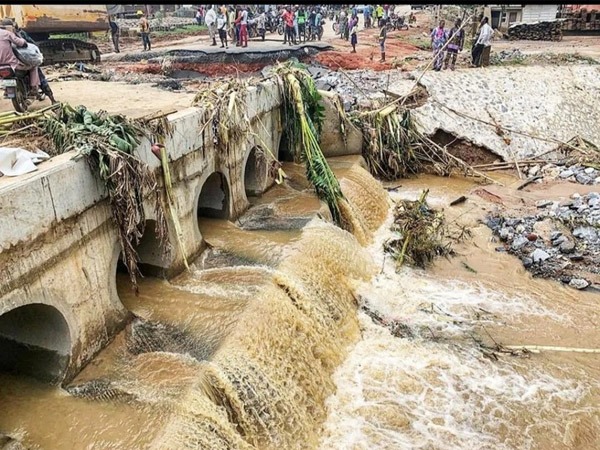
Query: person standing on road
x=485 y=40
x=288 y=20
x=367 y=16
x=222 y=28
x=456 y=36
x=238 y=20
x=211 y=22
x=311 y=23
x=244 y=27
x=354 y=34
x=438 y=39
x=231 y=19
x=115 y=33
x=379 y=14
x=382 y=38
x=302 y=24
x=296 y=33
x=318 y=24
x=144 y=30
x=261 y=21
x=341 y=20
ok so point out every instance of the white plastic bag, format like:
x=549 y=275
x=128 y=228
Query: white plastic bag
x=30 y=55
x=16 y=161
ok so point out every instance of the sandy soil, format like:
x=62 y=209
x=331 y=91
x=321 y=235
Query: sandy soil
x=131 y=100
x=584 y=45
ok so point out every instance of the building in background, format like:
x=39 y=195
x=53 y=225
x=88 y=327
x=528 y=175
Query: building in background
x=503 y=16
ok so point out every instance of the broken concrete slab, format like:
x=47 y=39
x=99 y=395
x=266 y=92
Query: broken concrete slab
x=333 y=141
x=550 y=102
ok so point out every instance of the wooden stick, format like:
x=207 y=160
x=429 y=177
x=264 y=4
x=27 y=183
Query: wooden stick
x=549 y=348
x=528 y=182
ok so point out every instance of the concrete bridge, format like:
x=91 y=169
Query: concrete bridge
x=59 y=248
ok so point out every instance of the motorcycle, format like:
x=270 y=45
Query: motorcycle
x=280 y=27
x=395 y=22
x=315 y=33
x=17 y=88
x=271 y=23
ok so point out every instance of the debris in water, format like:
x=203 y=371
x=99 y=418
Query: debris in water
x=421 y=232
x=458 y=201
x=397 y=328
x=102 y=390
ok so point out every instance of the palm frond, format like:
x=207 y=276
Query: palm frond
x=304 y=116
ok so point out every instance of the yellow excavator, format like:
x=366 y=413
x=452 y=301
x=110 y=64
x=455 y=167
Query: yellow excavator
x=43 y=21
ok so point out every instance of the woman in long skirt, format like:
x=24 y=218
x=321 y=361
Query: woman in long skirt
x=438 y=39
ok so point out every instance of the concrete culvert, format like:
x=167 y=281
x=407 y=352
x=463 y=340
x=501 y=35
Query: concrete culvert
x=35 y=341
x=214 y=197
x=255 y=172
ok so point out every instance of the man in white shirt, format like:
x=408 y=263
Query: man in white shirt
x=211 y=22
x=484 y=41
x=244 y=27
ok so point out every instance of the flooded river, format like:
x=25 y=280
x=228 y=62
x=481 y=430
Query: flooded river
x=261 y=346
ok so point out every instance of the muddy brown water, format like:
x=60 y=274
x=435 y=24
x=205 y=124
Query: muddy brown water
x=260 y=345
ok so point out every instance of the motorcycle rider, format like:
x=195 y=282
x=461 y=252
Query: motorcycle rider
x=7 y=56
x=43 y=81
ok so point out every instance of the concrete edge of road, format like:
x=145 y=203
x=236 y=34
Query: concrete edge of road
x=218 y=55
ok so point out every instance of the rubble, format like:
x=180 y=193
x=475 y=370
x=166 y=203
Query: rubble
x=569 y=252
x=164 y=24
x=536 y=31
x=575 y=173
x=358 y=88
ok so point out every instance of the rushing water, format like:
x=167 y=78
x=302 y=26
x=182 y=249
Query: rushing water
x=437 y=390
x=260 y=345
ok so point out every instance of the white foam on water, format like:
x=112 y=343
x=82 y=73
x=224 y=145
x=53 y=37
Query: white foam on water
x=442 y=394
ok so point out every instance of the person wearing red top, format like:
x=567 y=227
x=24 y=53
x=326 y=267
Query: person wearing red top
x=288 y=20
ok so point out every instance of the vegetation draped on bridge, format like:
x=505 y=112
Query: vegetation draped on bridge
x=303 y=119
x=108 y=143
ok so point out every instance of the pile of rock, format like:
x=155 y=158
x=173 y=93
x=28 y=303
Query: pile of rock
x=575 y=173
x=507 y=56
x=164 y=24
x=561 y=241
x=537 y=31
x=359 y=88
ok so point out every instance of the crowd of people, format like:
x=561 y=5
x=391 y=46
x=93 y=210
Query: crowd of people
x=301 y=23
x=446 y=44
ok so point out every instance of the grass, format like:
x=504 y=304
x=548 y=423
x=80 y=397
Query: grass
x=424 y=43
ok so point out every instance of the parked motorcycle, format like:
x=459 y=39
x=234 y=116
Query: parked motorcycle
x=17 y=88
x=395 y=22
x=315 y=33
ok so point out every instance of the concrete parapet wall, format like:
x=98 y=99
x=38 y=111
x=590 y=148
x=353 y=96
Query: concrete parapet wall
x=59 y=245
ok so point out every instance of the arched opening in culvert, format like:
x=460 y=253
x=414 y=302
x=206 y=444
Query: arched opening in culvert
x=35 y=340
x=213 y=201
x=255 y=172
x=153 y=259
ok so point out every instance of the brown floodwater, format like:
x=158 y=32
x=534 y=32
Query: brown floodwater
x=260 y=344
